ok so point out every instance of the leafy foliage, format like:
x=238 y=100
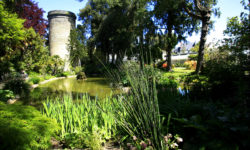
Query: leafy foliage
x=24 y=128
x=171 y=17
x=85 y=122
x=18 y=86
x=21 y=49
x=77 y=49
x=12 y=34
x=28 y=10
x=5 y=95
x=201 y=10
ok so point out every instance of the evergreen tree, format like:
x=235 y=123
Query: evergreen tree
x=77 y=49
x=201 y=10
x=174 y=22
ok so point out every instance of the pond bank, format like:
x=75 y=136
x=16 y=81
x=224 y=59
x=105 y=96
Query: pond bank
x=53 y=79
x=12 y=101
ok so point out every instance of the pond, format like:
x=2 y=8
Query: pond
x=94 y=87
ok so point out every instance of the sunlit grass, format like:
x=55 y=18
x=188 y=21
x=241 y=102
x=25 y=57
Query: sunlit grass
x=178 y=72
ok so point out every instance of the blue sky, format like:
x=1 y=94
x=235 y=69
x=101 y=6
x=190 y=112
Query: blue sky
x=228 y=8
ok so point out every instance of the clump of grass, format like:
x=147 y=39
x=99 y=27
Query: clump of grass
x=84 y=118
x=141 y=117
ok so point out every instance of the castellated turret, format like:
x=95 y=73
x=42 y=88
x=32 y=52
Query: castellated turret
x=60 y=24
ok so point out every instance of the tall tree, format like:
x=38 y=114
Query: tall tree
x=92 y=15
x=237 y=40
x=201 y=10
x=12 y=35
x=76 y=48
x=113 y=25
x=174 y=22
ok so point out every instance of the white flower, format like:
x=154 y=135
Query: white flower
x=166 y=138
x=169 y=135
x=174 y=145
x=179 y=139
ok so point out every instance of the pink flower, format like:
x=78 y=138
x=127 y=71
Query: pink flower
x=143 y=145
x=134 y=138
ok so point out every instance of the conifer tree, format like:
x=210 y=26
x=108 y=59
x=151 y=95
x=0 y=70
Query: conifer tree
x=201 y=10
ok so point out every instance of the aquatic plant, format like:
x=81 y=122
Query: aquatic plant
x=85 y=117
x=140 y=115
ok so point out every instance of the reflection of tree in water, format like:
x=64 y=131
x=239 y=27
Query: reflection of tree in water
x=93 y=87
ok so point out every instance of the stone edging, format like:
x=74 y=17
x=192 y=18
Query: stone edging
x=46 y=81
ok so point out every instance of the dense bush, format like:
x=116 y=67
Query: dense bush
x=81 y=76
x=78 y=69
x=95 y=69
x=18 y=86
x=63 y=74
x=47 y=77
x=212 y=125
x=5 y=95
x=190 y=64
x=163 y=65
x=34 y=80
x=193 y=57
x=24 y=128
x=178 y=64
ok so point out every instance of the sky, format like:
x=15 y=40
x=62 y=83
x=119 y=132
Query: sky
x=228 y=8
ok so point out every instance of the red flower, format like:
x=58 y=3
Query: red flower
x=164 y=65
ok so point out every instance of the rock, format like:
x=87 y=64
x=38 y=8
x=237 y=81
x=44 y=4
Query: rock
x=81 y=76
x=11 y=101
x=126 y=89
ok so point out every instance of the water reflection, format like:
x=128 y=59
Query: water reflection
x=94 y=87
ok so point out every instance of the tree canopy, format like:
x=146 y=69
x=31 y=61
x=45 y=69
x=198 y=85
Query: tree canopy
x=28 y=10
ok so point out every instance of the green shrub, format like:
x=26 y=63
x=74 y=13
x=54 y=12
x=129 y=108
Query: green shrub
x=168 y=81
x=25 y=128
x=81 y=76
x=63 y=74
x=6 y=94
x=18 y=86
x=78 y=69
x=179 y=64
x=33 y=74
x=34 y=80
x=47 y=77
x=212 y=125
x=193 y=57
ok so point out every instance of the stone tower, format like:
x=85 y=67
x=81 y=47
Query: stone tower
x=60 y=24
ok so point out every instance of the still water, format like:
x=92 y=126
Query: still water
x=94 y=87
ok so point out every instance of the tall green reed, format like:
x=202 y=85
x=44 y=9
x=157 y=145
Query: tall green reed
x=83 y=117
x=141 y=115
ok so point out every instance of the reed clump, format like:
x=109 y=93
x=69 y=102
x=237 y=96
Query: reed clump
x=84 y=122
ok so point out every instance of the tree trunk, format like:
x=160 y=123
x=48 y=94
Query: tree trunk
x=169 y=49
x=113 y=58
x=203 y=39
